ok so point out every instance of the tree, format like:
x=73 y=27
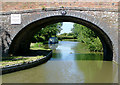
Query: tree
x=87 y=36
x=70 y=34
x=49 y=31
x=64 y=34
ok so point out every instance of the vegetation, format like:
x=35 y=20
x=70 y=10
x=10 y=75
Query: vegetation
x=79 y=32
x=65 y=36
x=17 y=60
x=38 y=46
x=45 y=33
x=87 y=36
x=61 y=37
x=7 y=61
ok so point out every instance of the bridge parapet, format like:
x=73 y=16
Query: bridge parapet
x=59 y=8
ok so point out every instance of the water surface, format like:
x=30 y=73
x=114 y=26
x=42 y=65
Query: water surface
x=72 y=50
x=71 y=63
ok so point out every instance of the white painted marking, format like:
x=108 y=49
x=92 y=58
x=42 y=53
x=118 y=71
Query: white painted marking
x=15 y=18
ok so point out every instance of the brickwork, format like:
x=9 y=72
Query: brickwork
x=10 y=6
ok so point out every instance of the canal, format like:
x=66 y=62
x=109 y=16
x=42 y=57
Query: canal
x=72 y=62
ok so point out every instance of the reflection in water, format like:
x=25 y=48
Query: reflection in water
x=69 y=50
x=53 y=46
x=67 y=67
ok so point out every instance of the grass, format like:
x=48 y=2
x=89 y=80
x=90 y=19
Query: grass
x=38 y=46
x=7 y=61
x=39 y=49
x=18 y=60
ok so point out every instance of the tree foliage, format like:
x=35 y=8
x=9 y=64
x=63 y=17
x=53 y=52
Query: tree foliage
x=48 y=31
x=87 y=36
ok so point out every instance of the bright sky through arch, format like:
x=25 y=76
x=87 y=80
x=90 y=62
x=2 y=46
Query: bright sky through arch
x=66 y=27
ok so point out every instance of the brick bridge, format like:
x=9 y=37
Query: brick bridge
x=15 y=38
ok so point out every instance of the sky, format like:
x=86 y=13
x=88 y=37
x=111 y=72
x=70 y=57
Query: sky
x=66 y=27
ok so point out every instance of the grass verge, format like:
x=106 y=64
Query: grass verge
x=8 y=61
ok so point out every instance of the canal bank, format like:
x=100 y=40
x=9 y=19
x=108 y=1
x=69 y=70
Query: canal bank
x=26 y=65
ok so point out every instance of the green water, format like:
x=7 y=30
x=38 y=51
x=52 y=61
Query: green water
x=73 y=50
x=71 y=63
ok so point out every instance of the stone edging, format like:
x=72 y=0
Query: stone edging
x=23 y=66
x=58 y=9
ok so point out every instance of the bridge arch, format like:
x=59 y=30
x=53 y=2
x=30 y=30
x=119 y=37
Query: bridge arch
x=21 y=41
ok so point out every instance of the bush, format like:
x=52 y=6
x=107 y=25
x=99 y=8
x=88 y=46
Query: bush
x=87 y=36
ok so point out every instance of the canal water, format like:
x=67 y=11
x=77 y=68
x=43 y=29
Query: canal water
x=72 y=62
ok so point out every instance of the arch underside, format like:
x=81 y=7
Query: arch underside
x=21 y=42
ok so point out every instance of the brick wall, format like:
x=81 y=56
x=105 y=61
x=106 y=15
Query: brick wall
x=9 y=6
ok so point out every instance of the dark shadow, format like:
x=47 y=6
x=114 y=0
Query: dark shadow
x=35 y=53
